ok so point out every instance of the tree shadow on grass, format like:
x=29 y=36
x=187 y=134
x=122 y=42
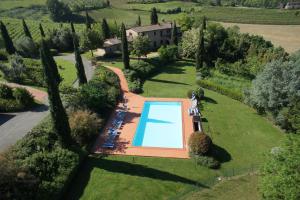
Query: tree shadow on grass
x=121 y=167
x=220 y=154
x=209 y=100
x=165 y=81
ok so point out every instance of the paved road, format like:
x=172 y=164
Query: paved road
x=14 y=126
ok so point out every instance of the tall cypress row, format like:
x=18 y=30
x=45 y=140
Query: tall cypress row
x=125 y=53
x=8 y=43
x=139 y=21
x=200 y=50
x=87 y=20
x=204 y=22
x=174 y=36
x=42 y=30
x=26 y=29
x=154 y=17
x=79 y=64
x=57 y=111
x=105 y=29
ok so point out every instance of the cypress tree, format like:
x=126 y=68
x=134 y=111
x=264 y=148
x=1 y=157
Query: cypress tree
x=79 y=64
x=154 y=17
x=57 y=111
x=105 y=29
x=204 y=22
x=87 y=20
x=125 y=53
x=174 y=36
x=26 y=29
x=42 y=30
x=139 y=21
x=9 y=45
x=200 y=50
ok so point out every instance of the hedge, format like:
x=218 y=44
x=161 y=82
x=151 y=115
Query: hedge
x=217 y=88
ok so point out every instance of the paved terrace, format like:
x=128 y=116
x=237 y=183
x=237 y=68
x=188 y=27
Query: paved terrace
x=127 y=132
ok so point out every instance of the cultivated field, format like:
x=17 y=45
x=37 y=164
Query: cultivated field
x=285 y=36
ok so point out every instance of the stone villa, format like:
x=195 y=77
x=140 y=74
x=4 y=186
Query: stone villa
x=292 y=5
x=159 y=34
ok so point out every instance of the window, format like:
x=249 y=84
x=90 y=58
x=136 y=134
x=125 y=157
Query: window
x=161 y=42
x=167 y=42
x=161 y=33
x=154 y=33
x=154 y=44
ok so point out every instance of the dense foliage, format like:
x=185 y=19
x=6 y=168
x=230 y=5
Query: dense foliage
x=141 y=46
x=280 y=174
x=230 y=51
x=85 y=125
x=58 y=10
x=276 y=90
x=168 y=54
x=17 y=99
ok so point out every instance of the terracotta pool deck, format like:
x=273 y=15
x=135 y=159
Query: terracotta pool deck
x=124 y=141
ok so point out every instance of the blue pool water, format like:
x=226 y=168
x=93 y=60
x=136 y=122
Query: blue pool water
x=160 y=125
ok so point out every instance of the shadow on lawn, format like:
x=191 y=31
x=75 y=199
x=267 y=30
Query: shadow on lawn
x=165 y=81
x=122 y=167
x=220 y=154
x=209 y=100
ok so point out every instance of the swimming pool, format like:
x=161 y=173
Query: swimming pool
x=160 y=125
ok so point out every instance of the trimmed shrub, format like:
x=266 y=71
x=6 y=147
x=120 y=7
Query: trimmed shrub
x=135 y=86
x=200 y=143
x=3 y=55
x=217 y=88
x=6 y=92
x=84 y=125
x=23 y=97
x=206 y=161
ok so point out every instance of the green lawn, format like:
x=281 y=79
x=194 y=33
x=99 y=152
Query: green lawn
x=240 y=135
x=67 y=71
x=241 y=188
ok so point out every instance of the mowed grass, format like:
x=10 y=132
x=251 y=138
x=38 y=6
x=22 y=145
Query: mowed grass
x=241 y=188
x=67 y=71
x=240 y=135
x=8 y=4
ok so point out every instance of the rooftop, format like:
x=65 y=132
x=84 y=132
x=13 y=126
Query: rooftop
x=152 y=27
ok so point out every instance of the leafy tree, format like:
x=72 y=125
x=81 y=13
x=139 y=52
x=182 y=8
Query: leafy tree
x=189 y=44
x=58 y=113
x=139 y=21
x=174 y=36
x=90 y=40
x=42 y=30
x=61 y=39
x=58 y=10
x=141 y=46
x=79 y=64
x=154 y=17
x=26 y=29
x=186 y=22
x=280 y=175
x=125 y=53
x=105 y=29
x=9 y=46
x=26 y=47
x=87 y=20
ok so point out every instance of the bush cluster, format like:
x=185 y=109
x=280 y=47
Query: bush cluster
x=3 y=54
x=50 y=165
x=168 y=54
x=12 y=100
x=207 y=161
x=84 y=125
x=217 y=88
